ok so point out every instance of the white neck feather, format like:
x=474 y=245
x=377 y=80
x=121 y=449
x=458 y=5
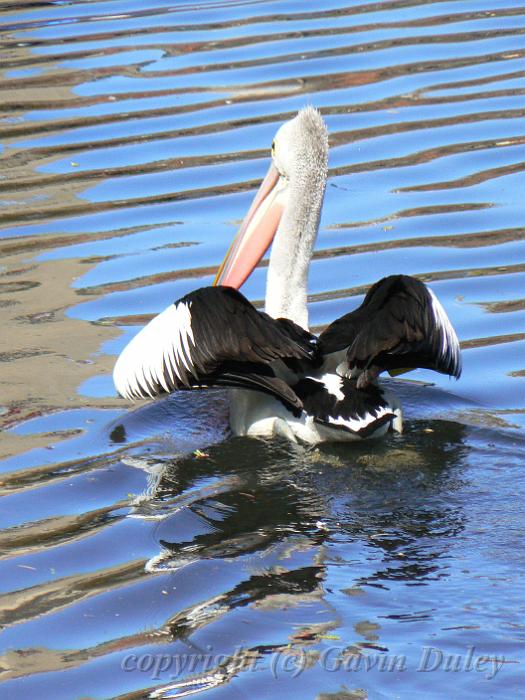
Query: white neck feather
x=287 y=281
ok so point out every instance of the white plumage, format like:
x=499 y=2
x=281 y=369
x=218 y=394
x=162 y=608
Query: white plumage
x=333 y=383
x=449 y=339
x=156 y=353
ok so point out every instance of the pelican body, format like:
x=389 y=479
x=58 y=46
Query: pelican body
x=286 y=381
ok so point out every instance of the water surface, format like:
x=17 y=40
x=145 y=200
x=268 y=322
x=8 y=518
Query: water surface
x=144 y=552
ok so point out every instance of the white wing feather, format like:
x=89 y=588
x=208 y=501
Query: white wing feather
x=157 y=350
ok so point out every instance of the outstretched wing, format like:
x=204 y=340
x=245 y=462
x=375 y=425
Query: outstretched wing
x=210 y=337
x=400 y=324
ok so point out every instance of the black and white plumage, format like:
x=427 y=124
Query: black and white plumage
x=285 y=380
x=215 y=337
x=212 y=337
x=400 y=325
x=335 y=403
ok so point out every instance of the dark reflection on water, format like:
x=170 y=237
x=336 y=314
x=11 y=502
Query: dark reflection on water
x=132 y=136
x=390 y=499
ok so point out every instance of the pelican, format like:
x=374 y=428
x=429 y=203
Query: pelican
x=286 y=381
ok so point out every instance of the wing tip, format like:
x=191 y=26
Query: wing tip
x=154 y=360
x=450 y=350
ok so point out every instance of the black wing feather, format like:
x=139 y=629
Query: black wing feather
x=212 y=337
x=399 y=324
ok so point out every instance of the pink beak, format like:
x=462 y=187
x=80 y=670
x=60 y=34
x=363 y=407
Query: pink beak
x=256 y=233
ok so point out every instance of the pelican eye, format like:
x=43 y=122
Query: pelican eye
x=273 y=147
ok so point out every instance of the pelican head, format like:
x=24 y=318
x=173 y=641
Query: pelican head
x=286 y=207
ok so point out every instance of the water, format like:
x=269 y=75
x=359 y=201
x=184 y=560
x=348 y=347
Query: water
x=144 y=553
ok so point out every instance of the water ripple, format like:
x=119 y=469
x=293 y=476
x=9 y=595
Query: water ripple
x=133 y=136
